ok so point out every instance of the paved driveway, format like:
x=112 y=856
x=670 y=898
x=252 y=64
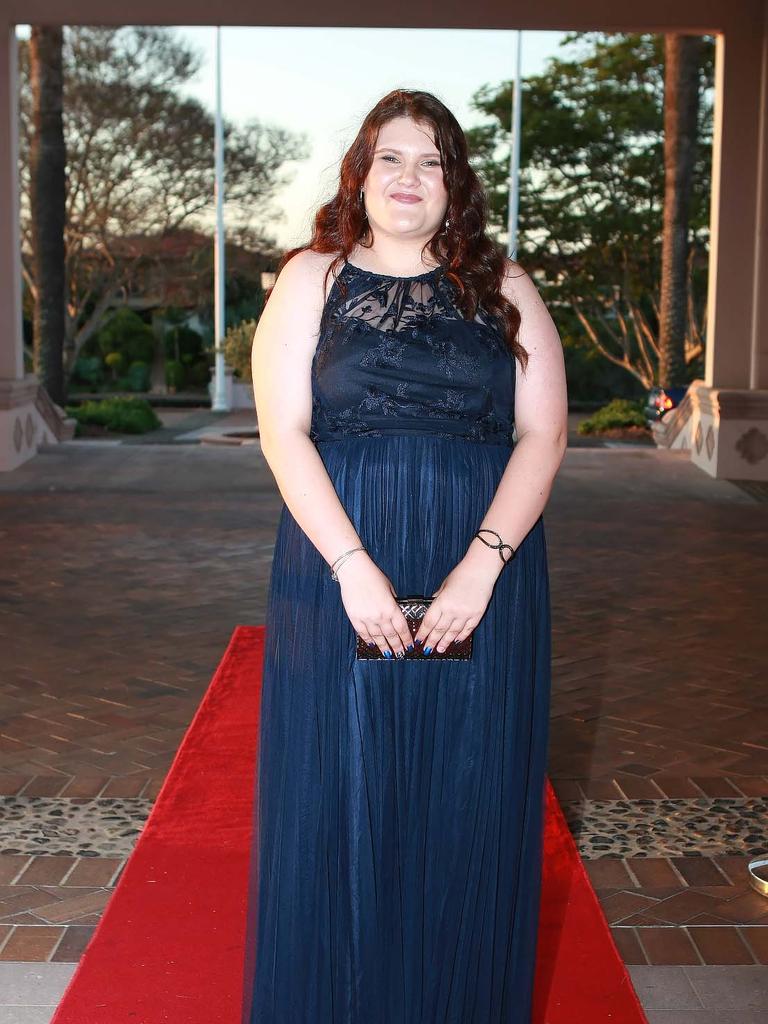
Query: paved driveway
x=126 y=566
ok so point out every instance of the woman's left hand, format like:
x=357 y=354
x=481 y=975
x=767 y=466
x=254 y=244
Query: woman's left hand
x=459 y=603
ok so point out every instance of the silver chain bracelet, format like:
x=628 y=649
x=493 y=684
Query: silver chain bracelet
x=341 y=559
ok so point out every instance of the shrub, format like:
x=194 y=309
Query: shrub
x=88 y=370
x=126 y=332
x=183 y=344
x=122 y=415
x=620 y=412
x=175 y=374
x=114 y=360
x=138 y=376
x=237 y=348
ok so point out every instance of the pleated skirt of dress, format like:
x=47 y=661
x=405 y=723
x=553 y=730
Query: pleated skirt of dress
x=398 y=805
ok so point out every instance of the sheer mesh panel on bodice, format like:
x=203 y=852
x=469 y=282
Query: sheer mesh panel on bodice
x=395 y=355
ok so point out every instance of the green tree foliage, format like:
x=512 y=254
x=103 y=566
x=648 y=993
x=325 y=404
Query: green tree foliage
x=183 y=343
x=127 y=334
x=592 y=191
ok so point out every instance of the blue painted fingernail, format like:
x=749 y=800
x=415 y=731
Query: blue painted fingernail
x=387 y=654
x=427 y=650
x=410 y=647
x=371 y=643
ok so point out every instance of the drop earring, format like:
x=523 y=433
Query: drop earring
x=363 y=204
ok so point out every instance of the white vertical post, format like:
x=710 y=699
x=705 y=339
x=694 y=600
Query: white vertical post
x=514 y=157
x=220 y=403
x=11 y=350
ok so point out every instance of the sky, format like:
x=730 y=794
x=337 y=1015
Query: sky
x=322 y=82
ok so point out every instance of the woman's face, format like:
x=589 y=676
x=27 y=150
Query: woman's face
x=404 y=192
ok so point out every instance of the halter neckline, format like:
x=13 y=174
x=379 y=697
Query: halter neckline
x=393 y=277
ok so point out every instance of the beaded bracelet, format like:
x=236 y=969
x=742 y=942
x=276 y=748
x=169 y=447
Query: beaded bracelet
x=500 y=546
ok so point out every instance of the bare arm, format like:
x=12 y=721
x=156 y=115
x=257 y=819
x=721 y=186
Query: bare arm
x=283 y=348
x=541 y=420
x=281 y=359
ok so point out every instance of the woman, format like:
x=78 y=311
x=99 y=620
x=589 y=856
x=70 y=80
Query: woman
x=399 y=800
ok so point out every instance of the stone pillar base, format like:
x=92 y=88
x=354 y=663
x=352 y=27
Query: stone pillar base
x=728 y=431
x=28 y=418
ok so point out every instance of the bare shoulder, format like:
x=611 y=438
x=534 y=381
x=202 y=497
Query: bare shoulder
x=290 y=320
x=305 y=272
x=541 y=392
x=518 y=286
x=538 y=334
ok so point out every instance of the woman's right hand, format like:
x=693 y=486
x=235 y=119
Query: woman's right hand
x=369 y=600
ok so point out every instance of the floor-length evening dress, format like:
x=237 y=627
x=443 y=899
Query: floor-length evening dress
x=398 y=811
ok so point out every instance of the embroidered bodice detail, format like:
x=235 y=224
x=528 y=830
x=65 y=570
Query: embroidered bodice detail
x=395 y=355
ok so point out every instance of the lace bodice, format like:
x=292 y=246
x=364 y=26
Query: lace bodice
x=397 y=356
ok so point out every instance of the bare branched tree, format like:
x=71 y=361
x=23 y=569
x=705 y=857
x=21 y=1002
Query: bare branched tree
x=139 y=163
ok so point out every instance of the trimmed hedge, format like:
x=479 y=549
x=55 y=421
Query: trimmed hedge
x=620 y=412
x=121 y=415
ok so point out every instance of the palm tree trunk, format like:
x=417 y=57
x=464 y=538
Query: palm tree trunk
x=47 y=206
x=681 y=102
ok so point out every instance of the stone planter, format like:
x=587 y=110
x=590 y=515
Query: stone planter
x=242 y=395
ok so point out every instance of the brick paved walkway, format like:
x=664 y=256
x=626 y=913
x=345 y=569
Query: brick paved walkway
x=126 y=567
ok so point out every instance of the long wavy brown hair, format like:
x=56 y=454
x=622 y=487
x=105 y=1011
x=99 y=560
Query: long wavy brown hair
x=472 y=260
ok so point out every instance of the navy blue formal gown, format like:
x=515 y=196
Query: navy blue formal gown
x=398 y=812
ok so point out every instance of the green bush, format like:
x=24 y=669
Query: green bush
x=238 y=342
x=126 y=332
x=114 y=360
x=122 y=415
x=183 y=344
x=175 y=374
x=620 y=412
x=138 y=376
x=88 y=370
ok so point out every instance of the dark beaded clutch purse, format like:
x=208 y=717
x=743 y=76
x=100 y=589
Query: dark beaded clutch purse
x=414 y=608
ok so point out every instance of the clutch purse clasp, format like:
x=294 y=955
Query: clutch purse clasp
x=414 y=608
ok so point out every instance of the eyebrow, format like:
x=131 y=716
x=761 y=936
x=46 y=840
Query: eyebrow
x=391 y=149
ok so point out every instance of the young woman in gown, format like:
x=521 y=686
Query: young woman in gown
x=398 y=802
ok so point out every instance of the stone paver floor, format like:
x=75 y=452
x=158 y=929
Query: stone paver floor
x=126 y=567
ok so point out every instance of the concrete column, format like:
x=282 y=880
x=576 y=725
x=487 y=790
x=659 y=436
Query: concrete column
x=22 y=424
x=759 y=346
x=11 y=362
x=728 y=429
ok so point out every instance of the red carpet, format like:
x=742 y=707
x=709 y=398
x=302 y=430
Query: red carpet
x=169 y=945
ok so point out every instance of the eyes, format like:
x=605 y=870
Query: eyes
x=391 y=156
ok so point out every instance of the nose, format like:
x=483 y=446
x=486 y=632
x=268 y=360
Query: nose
x=408 y=175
